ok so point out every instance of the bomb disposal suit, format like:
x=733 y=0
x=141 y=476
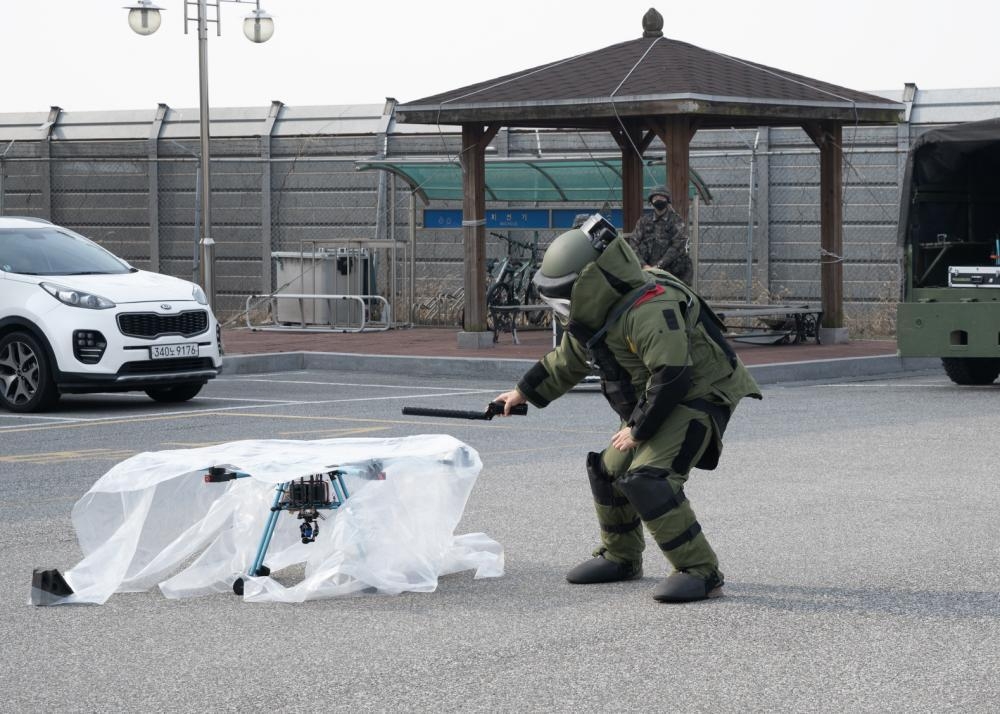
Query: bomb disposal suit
x=672 y=378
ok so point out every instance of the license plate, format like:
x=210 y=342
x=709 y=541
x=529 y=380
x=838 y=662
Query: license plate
x=168 y=351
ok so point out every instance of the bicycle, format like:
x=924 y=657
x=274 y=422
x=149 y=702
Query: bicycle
x=509 y=285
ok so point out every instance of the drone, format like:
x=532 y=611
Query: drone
x=305 y=497
x=323 y=488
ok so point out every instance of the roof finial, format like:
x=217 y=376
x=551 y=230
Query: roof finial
x=652 y=23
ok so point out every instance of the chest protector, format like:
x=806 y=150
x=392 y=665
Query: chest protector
x=616 y=382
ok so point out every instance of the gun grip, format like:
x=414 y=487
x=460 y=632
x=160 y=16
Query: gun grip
x=497 y=408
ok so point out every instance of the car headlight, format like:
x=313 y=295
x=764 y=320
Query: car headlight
x=77 y=298
x=199 y=295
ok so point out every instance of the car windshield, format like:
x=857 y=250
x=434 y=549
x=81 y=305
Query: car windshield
x=47 y=250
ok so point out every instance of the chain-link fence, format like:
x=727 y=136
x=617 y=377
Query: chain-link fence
x=757 y=239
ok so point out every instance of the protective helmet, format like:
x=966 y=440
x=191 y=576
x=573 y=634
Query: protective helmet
x=658 y=191
x=569 y=254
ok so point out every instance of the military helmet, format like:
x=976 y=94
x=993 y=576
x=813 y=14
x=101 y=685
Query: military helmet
x=569 y=254
x=658 y=191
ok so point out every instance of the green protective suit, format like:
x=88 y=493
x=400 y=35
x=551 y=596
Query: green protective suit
x=670 y=375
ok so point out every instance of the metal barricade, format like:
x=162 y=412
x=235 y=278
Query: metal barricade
x=307 y=309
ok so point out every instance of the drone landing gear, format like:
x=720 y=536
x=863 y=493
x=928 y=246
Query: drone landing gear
x=305 y=497
x=262 y=571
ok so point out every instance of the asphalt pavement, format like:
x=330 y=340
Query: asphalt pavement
x=855 y=521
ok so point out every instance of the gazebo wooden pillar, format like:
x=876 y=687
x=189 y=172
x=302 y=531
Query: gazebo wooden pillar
x=679 y=130
x=676 y=133
x=475 y=139
x=827 y=136
x=632 y=142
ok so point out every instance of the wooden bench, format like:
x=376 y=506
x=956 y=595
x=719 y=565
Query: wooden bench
x=778 y=323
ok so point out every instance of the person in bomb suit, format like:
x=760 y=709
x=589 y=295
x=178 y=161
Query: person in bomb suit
x=672 y=378
x=660 y=239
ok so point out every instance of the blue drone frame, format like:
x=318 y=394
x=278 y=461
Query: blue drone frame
x=306 y=496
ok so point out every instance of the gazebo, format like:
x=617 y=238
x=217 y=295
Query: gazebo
x=652 y=87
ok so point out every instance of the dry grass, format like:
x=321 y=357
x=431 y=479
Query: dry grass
x=874 y=320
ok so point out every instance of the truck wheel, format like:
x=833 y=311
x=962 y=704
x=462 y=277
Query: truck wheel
x=971 y=370
x=25 y=376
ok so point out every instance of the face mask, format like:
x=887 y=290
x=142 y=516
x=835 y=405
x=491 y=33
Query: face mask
x=560 y=306
x=660 y=204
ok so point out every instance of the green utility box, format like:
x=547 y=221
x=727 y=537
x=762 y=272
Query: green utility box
x=949 y=229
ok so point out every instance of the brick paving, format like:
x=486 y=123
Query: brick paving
x=443 y=342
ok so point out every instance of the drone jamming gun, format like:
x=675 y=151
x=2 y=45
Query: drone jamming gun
x=492 y=409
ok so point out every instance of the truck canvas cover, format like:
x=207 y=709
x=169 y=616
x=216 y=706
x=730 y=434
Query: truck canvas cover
x=962 y=159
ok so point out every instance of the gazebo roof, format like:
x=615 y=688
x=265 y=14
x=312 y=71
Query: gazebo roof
x=651 y=76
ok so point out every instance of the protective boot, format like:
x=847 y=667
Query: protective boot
x=601 y=570
x=684 y=587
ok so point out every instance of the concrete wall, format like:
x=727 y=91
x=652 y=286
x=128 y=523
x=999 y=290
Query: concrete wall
x=128 y=180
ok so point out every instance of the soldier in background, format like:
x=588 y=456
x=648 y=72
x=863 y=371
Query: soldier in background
x=661 y=239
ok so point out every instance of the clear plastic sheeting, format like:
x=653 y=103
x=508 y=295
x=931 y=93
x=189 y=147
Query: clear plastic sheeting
x=152 y=520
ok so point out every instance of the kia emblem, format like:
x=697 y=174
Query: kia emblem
x=166 y=306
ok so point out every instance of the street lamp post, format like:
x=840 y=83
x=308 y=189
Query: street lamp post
x=144 y=18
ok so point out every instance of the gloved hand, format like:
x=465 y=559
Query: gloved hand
x=510 y=399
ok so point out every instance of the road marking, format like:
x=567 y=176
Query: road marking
x=337 y=384
x=222 y=411
x=161 y=415
x=426 y=420
x=908 y=385
x=111 y=421
x=35 y=416
x=57 y=456
x=337 y=432
x=343 y=432
x=260 y=400
x=406 y=396
x=550 y=447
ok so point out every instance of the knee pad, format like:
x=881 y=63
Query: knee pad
x=649 y=492
x=600 y=482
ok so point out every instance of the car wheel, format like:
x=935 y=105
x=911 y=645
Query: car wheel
x=26 y=383
x=174 y=393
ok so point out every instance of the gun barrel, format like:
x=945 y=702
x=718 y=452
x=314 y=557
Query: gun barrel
x=493 y=409
x=447 y=413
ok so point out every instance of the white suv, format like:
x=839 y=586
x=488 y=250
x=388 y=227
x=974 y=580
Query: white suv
x=75 y=318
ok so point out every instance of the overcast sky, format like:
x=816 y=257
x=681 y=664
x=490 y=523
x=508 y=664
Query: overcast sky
x=81 y=54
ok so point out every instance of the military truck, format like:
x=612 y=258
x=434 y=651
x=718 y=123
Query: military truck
x=949 y=229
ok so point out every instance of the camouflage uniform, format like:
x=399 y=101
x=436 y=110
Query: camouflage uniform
x=661 y=242
x=669 y=374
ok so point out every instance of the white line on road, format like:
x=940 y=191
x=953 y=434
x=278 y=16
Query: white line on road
x=34 y=416
x=332 y=384
x=97 y=421
x=911 y=385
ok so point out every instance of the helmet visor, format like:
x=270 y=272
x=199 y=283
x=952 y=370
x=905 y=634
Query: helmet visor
x=560 y=306
x=556 y=287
